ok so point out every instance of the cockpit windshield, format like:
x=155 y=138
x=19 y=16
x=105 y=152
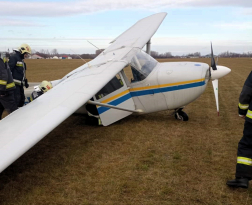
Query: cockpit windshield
x=141 y=66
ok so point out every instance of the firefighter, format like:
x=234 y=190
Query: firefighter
x=41 y=89
x=244 y=154
x=18 y=69
x=7 y=87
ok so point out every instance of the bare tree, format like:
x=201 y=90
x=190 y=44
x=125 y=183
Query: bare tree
x=154 y=54
x=167 y=55
x=54 y=51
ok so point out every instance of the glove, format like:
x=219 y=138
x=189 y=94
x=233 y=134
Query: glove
x=26 y=83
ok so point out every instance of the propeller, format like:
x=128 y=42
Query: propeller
x=216 y=73
x=215 y=82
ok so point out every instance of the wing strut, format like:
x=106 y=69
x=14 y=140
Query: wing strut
x=114 y=107
x=148 y=46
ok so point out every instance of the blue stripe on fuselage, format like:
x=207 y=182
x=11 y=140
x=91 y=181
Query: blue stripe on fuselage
x=115 y=103
x=166 y=89
x=149 y=92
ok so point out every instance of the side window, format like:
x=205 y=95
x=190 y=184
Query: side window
x=140 y=67
x=110 y=87
x=133 y=74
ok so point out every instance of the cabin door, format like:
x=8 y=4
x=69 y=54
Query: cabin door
x=115 y=93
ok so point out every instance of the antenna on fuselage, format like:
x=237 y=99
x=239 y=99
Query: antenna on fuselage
x=78 y=56
x=93 y=45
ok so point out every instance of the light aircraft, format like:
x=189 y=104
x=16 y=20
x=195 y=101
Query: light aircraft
x=121 y=81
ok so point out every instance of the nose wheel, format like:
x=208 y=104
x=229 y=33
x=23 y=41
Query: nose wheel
x=181 y=115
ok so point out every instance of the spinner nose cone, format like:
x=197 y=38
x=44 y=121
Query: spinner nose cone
x=220 y=72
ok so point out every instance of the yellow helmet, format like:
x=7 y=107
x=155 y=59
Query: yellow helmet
x=45 y=86
x=25 y=48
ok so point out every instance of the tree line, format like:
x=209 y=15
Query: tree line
x=45 y=53
x=225 y=54
x=54 y=52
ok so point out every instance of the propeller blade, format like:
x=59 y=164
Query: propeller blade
x=213 y=65
x=215 y=87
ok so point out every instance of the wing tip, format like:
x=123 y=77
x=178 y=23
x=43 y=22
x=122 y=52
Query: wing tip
x=161 y=14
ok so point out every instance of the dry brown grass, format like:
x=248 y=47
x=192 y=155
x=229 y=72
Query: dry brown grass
x=149 y=159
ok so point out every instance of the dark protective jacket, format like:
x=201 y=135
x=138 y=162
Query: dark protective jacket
x=18 y=68
x=245 y=100
x=6 y=80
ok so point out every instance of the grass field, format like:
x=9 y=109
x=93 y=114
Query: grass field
x=141 y=160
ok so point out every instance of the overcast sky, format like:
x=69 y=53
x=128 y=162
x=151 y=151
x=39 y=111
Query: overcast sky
x=67 y=25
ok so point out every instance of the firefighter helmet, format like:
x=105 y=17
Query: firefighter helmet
x=45 y=86
x=24 y=48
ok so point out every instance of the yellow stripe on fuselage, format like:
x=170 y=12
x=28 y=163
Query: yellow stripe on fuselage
x=115 y=96
x=150 y=87
x=167 y=85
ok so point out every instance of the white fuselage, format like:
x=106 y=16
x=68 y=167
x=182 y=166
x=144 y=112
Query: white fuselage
x=169 y=86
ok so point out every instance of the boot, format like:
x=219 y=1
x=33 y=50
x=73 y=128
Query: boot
x=239 y=182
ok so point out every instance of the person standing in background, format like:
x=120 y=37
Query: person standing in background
x=7 y=87
x=18 y=69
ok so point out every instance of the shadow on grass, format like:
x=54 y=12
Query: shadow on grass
x=50 y=153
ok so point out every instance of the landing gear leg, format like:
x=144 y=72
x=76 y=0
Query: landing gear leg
x=181 y=115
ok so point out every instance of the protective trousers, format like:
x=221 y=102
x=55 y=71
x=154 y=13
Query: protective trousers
x=7 y=102
x=19 y=96
x=244 y=154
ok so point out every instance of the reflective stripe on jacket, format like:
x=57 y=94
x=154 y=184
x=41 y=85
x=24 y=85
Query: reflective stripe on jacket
x=18 y=68
x=245 y=100
x=243 y=106
x=6 y=80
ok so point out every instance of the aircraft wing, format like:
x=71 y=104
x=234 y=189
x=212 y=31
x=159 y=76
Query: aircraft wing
x=138 y=34
x=23 y=128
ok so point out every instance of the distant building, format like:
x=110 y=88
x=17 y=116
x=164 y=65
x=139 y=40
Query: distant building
x=55 y=57
x=64 y=57
x=35 y=56
x=69 y=57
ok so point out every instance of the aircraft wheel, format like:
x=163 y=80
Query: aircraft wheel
x=181 y=115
